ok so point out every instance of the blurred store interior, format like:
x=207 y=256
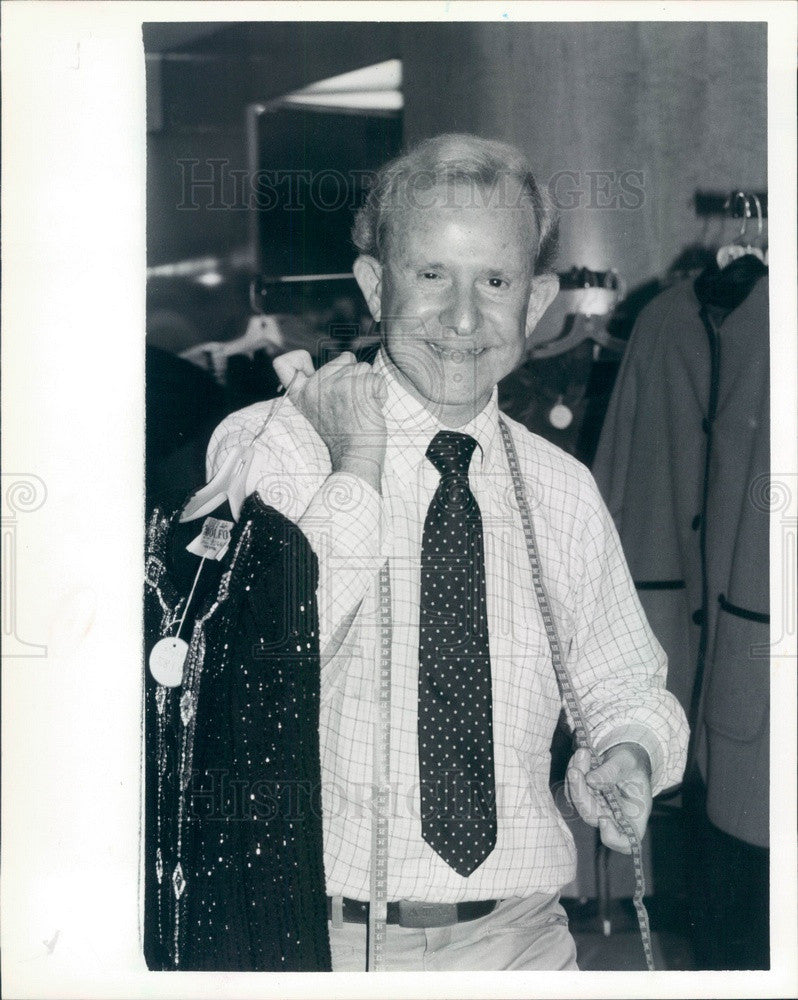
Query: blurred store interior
x=650 y=137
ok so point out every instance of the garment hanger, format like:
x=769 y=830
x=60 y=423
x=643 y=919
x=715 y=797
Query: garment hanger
x=262 y=333
x=589 y=321
x=230 y=482
x=759 y=215
x=584 y=326
x=734 y=251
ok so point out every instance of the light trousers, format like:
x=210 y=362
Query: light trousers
x=521 y=933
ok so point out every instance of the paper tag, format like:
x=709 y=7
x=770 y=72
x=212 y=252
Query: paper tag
x=560 y=416
x=212 y=542
x=166 y=661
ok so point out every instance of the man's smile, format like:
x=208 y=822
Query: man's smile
x=456 y=354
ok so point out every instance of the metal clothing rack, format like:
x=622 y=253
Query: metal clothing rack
x=263 y=289
x=583 y=277
x=571 y=280
x=737 y=204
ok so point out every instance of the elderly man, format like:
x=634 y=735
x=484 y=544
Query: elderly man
x=404 y=464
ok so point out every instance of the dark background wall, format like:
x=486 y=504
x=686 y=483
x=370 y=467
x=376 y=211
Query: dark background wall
x=205 y=86
x=624 y=120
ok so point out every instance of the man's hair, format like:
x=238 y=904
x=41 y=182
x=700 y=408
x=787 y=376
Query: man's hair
x=448 y=159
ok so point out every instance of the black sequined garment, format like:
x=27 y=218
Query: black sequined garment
x=234 y=875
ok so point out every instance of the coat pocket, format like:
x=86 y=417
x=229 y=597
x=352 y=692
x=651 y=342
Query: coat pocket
x=738 y=690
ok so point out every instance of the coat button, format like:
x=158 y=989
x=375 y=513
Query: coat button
x=705 y=425
x=698 y=617
x=696 y=523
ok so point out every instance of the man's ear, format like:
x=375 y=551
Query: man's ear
x=368 y=274
x=544 y=290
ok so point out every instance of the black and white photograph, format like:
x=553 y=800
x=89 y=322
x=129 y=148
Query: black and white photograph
x=399 y=499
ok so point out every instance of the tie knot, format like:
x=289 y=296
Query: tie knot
x=450 y=452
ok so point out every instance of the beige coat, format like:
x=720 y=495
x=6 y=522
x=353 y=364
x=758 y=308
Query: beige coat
x=671 y=474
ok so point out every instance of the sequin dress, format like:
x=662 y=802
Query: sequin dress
x=234 y=876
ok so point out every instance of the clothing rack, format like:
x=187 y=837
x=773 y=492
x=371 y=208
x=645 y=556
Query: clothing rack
x=573 y=279
x=737 y=204
x=583 y=277
x=576 y=277
x=264 y=289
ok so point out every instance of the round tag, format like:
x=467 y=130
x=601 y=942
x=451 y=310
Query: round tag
x=560 y=416
x=166 y=661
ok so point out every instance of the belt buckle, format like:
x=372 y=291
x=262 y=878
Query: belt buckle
x=426 y=914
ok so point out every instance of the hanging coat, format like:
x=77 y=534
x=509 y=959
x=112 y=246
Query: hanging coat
x=683 y=464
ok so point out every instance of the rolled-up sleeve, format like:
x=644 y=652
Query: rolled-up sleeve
x=339 y=513
x=618 y=667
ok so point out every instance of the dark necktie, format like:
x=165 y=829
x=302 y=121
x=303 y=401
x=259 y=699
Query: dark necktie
x=455 y=711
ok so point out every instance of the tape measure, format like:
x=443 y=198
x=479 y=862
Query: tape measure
x=381 y=791
x=377 y=928
x=570 y=697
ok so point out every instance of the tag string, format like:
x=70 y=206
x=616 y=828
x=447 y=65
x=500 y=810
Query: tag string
x=276 y=408
x=191 y=594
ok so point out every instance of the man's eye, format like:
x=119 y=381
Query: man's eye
x=497 y=282
x=430 y=275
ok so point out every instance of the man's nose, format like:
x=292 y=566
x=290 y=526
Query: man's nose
x=461 y=312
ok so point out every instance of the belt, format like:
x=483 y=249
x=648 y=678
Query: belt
x=410 y=914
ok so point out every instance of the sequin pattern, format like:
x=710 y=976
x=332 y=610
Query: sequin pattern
x=235 y=876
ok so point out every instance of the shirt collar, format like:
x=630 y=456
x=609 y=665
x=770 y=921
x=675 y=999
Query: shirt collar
x=411 y=426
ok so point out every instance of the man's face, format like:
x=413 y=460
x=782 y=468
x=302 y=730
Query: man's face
x=454 y=295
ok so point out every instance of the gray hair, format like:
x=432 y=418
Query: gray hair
x=450 y=158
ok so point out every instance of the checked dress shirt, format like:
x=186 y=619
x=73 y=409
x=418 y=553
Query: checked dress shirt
x=616 y=664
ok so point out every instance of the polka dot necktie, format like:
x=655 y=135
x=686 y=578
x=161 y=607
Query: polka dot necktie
x=455 y=710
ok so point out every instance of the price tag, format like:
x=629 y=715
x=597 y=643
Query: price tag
x=213 y=541
x=560 y=416
x=166 y=661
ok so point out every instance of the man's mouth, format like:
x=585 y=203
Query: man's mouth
x=456 y=354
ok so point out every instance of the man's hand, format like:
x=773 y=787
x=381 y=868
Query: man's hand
x=343 y=401
x=627 y=769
